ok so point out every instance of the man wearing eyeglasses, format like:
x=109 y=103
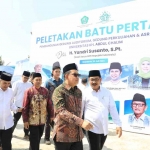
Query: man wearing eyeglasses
x=139 y=118
x=68 y=122
x=97 y=104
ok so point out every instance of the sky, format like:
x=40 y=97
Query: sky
x=17 y=17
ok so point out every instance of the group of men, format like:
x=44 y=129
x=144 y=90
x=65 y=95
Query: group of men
x=60 y=104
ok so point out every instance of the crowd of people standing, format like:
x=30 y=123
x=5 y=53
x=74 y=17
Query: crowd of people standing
x=70 y=111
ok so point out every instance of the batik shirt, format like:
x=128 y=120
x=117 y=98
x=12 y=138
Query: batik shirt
x=37 y=105
x=67 y=108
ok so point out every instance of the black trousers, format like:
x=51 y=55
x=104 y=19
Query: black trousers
x=17 y=116
x=47 y=129
x=6 y=136
x=36 y=133
x=68 y=146
x=96 y=141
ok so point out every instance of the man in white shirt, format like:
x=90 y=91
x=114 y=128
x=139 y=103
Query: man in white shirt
x=139 y=118
x=19 y=87
x=97 y=104
x=115 y=72
x=6 y=106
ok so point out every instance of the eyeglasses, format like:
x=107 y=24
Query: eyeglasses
x=76 y=75
x=139 y=105
x=94 y=79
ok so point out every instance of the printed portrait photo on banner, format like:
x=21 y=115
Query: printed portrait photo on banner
x=114 y=79
x=141 y=78
x=45 y=70
x=137 y=112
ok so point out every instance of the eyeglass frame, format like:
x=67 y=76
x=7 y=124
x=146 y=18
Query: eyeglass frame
x=76 y=74
x=139 y=105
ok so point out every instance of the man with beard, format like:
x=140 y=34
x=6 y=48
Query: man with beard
x=139 y=118
x=97 y=104
x=115 y=72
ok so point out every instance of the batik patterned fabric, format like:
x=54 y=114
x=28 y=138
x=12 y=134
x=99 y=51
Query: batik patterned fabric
x=67 y=107
x=37 y=105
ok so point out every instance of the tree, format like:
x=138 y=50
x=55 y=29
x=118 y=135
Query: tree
x=1 y=61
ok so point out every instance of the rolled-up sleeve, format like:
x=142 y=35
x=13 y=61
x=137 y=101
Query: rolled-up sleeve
x=60 y=109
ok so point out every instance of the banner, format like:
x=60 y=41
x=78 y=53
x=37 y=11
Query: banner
x=27 y=65
x=114 y=40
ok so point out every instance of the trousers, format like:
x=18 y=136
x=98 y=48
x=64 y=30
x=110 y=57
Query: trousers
x=5 y=137
x=96 y=141
x=17 y=116
x=36 y=133
x=68 y=146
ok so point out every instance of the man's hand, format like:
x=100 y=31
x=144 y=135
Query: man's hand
x=86 y=125
x=119 y=131
x=19 y=109
x=26 y=125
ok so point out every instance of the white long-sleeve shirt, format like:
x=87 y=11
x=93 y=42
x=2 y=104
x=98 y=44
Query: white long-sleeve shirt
x=6 y=106
x=19 y=87
x=97 y=106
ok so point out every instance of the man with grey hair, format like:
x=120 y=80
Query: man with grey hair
x=67 y=100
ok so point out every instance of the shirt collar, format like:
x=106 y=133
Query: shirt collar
x=69 y=87
x=54 y=79
x=141 y=118
x=36 y=88
x=5 y=90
